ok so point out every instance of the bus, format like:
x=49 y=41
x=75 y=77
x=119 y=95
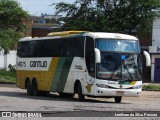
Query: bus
x=93 y=64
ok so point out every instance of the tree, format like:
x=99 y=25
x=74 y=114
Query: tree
x=9 y=39
x=12 y=19
x=12 y=16
x=122 y=16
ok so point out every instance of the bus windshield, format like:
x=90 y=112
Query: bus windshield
x=120 y=60
x=130 y=46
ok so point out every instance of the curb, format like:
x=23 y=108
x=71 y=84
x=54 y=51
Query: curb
x=150 y=90
x=7 y=83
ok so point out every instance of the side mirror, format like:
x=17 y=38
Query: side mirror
x=97 y=55
x=148 y=58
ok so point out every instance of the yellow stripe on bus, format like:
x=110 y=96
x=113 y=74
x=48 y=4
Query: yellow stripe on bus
x=53 y=64
x=133 y=82
x=52 y=68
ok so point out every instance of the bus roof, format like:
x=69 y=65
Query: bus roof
x=110 y=35
x=63 y=33
x=83 y=33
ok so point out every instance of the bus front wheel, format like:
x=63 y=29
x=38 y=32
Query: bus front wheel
x=79 y=92
x=118 y=99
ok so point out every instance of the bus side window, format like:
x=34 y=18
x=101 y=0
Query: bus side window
x=69 y=47
x=22 y=49
x=56 y=48
x=19 y=52
x=31 y=49
x=90 y=56
x=79 y=47
x=38 y=49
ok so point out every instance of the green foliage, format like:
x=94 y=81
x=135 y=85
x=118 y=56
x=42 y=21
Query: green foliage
x=12 y=68
x=7 y=76
x=8 y=39
x=151 y=87
x=12 y=25
x=12 y=16
x=122 y=16
x=47 y=20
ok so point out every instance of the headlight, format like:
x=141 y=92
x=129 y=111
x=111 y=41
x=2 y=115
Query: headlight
x=137 y=87
x=102 y=85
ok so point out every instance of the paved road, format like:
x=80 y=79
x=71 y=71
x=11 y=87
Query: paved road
x=15 y=99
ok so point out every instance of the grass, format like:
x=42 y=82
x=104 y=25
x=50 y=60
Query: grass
x=151 y=87
x=7 y=76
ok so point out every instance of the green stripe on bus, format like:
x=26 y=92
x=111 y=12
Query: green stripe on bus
x=57 y=73
x=64 y=74
x=127 y=82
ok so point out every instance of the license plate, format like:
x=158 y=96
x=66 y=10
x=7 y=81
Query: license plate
x=120 y=93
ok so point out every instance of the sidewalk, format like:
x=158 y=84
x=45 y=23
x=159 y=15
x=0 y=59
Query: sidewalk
x=151 y=83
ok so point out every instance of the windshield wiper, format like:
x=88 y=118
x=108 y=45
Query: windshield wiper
x=129 y=73
x=129 y=63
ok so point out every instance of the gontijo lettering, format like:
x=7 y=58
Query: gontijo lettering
x=38 y=64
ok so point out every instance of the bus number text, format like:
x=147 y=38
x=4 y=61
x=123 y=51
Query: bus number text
x=21 y=64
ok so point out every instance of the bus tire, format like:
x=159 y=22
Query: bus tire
x=28 y=87
x=43 y=93
x=70 y=95
x=67 y=95
x=118 y=99
x=34 y=88
x=79 y=92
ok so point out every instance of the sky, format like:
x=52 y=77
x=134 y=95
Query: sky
x=36 y=7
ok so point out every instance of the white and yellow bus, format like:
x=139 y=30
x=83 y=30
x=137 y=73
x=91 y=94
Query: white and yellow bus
x=94 y=64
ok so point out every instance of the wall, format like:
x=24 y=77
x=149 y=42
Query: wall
x=154 y=50
x=6 y=59
x=156 y=32
x=155 y=53
x=153 y=66
x=1 y=58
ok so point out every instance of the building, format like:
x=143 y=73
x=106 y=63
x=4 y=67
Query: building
x=40 y=26
x=42 y=30
x=155 y=51
x=56 y=17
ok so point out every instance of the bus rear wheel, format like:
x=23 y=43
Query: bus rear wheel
x=34 y=88
x=43 y=93
x=67 y=95
x=28 y=87
x=118 y=99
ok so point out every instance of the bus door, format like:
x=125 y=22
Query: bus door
x=90 y=65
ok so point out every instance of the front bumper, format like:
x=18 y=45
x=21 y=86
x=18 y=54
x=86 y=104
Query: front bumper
x=102 y=92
